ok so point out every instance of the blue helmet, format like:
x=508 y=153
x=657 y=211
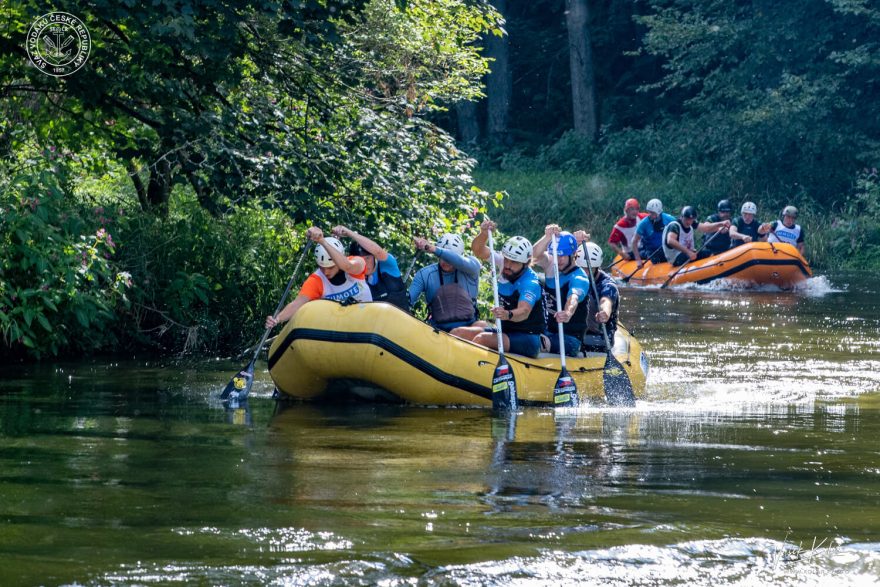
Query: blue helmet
x=566 y=244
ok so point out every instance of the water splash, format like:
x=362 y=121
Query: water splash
x=712 y=563
x=705 y=563
x=816 y=286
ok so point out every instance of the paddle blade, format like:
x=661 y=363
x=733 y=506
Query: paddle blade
x=240 y=385
x=618 y=387
x=565 y=394
x=503 y=386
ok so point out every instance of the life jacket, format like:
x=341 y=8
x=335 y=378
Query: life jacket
x=720 y=242
x=389 y=289
x=577 y=324
x=535 y=323
x=350 y=288
x=452 y=302
x=784 y=234
x=746 y=229
x=686 y=239
x=592 y=307
x=627 y=231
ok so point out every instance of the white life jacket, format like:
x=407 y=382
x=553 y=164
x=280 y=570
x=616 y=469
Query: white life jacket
x=350 y=288
x=685 y=239
x=784 y=234
x=628 y=233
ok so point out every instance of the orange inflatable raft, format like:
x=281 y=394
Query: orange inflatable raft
x=750 y=265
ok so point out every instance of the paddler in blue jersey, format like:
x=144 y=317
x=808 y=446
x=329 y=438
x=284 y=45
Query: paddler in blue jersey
x=522 y=304
x=573 y=287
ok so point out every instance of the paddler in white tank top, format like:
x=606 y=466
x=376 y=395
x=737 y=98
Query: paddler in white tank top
x=787 y=230
x=338 y=277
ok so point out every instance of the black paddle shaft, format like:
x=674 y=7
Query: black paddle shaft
x=242 y=381
x=671 y=277
x=615 y=381
x=283 y=299
x=651 y=256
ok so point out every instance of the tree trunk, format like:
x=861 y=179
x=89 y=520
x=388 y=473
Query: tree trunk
x=134 y=172
x=499 y=83
x=583 y=83
x=468 y=123
x=159 y=187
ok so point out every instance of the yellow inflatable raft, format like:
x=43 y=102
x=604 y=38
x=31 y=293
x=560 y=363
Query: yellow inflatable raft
x=380 y=352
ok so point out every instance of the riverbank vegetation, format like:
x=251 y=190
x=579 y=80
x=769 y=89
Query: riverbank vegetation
x=157 y=198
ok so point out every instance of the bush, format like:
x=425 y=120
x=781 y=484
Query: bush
x=60 y=287
x=852 y=235
x=204 y=283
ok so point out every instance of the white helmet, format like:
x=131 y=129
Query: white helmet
x=595 y=253
x=323 y=257
x=655 y=205
x=451 y=242
x=517 y=248
x=749 y=208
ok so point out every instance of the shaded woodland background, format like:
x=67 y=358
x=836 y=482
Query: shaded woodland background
x=157 y=198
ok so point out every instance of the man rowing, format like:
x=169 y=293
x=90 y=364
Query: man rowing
x=522 y=306
x=678 y=239
x=573 y=288
x=745 y=228
x=602 y=310
x=648 y=241
x=382 y=271
x=621 y=237
x=338 y=277
x=786 y=230
x=717 y=227
x=450 y=285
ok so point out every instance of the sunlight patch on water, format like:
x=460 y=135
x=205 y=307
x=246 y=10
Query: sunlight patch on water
x=709 y=563
x=703 y=563
x=278 y=539
x=688 y=379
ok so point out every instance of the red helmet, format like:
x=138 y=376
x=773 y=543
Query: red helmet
x=631 y=203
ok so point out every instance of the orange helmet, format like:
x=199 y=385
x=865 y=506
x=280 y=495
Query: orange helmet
x=631 y=203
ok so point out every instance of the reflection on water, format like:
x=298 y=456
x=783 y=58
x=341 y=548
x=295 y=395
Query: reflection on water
x=753 y=460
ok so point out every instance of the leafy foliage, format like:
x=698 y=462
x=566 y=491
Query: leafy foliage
x=224 y=129
x=781 y=93
x=59 y=287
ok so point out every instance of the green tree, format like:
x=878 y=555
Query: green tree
x=305 y=102
x=776 y=96
x=224 y=116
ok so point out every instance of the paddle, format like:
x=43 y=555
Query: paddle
x=411 y=265
x=637 y=269
x=241 y=382
x=565 y=394
x=706 y=242
x=773 y=232
x=612 y=264
x=615 y=381
x=503 y=383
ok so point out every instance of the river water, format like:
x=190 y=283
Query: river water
x=753 y=459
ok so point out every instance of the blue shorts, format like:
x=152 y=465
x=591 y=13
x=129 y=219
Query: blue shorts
x=521 y=343
x=572 y=343
x=447 y=326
